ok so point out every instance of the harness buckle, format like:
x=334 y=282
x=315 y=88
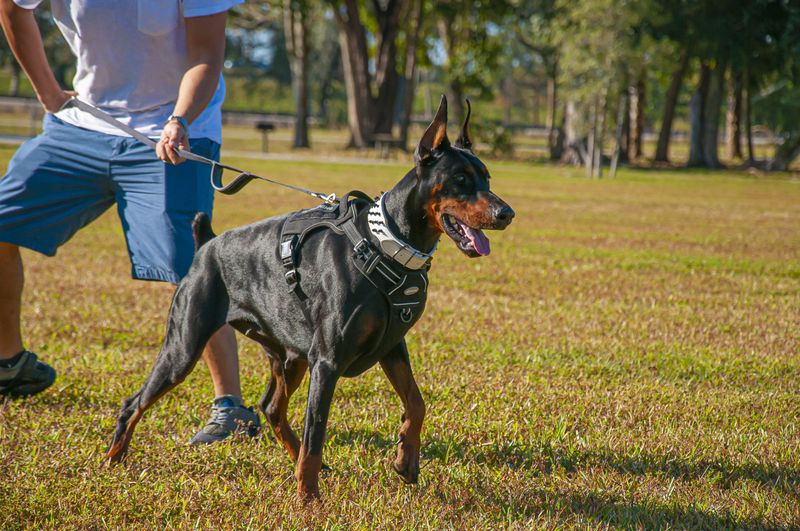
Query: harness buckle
x=292 y=278
x=362 y=249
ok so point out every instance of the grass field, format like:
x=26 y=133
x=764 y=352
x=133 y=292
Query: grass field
x=627 y=356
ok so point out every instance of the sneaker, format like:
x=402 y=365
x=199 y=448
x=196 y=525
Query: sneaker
x=228 y=415
x=26 y=377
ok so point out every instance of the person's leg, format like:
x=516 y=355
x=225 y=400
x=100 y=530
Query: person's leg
x=54 y=186
x=159 y=236
x=10 y=300
x=222 y=358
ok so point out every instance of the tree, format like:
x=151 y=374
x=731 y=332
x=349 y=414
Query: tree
x=294 y=17
x=733 y=116
x=536 y=29
x=416 y=10
x=598 y=54
x=368 y=114
x=697 y=121
x=670 y=102
x=296 y=14
x=468 y=32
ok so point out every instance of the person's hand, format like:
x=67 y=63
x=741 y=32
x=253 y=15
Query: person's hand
x=173 y=136
x=52 y=103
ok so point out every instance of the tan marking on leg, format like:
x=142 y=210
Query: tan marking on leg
x=307 y=475
x=118 y=450
x=276 y=411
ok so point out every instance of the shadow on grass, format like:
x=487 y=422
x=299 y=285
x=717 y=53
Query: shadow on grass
x=600 y=507
x=546 y=457
x=609 y=510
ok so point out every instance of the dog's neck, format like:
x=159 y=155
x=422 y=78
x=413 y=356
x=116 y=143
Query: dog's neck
x=406 y=214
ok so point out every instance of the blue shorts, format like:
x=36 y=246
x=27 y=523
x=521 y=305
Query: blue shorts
x=66 y=177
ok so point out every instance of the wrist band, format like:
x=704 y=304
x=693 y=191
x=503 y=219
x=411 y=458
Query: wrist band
x=181 y=120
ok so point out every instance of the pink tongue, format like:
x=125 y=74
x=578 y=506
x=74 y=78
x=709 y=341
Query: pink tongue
x=478 y=239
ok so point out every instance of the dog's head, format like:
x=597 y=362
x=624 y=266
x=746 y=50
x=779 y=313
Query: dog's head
x=460 y=203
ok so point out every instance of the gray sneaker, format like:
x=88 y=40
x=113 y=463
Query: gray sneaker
x=26 y=377
x=228 y=415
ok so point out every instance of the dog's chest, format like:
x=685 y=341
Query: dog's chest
x=310 y=262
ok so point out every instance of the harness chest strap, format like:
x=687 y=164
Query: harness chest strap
x=404 y=288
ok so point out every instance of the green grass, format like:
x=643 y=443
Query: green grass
x=627 y=356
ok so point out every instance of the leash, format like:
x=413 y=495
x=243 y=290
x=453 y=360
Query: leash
x=217 y=168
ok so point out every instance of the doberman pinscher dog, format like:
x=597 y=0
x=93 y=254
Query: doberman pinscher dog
x=331 y=320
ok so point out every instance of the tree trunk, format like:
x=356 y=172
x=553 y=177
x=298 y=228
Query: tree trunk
x=733 y=114
x=13 y=88
x=455 y=99
x=600 y=136
x=588 y=159
x=713 y=108
x=333 y=65
x=552 y=102
x=557 y=152
x=574 y=147
x=387 y=14
x=428 y=98
x=295 y=26
x=625 y=138
x=622 y=107
x=455 y=89
x=697 y=121
x=353 y=43
x=637 y=97
x=410 y=69
x=785 y=153
x=748 y=115
x=670 y=102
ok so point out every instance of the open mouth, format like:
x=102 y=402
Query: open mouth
x=471 y=242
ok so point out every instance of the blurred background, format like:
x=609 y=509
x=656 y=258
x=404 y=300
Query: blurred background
x=597 y=83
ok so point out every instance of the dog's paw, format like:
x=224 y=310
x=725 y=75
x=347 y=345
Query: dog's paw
x=406 y=464
x=115 y=455
x=307 y=494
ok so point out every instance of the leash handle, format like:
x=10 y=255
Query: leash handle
x=232 y=187
x=217 y=168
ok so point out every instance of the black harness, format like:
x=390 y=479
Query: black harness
x=403 y=289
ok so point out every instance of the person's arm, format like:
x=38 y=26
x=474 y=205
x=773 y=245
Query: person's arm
x=25 y=41
x=205 y=42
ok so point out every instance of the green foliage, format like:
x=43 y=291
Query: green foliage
x=473 y=37
x=498 y=138
x=778 y=106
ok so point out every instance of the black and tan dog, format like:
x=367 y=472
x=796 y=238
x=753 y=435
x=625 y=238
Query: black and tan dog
x=357 y=279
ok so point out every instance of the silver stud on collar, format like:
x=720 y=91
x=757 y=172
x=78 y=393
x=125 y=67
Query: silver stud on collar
x=392 y=246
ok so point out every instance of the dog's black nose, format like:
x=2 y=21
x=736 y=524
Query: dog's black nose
x=505 y=215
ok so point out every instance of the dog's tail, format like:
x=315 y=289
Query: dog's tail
x=201 y=230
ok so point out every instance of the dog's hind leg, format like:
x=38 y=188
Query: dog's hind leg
x=275 y=401
x=397 y=367
x=198 y=310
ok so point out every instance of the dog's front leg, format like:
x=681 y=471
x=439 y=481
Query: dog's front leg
x=397 y=367
x=320 y=394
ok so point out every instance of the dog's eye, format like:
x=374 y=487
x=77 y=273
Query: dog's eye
x=460 y=180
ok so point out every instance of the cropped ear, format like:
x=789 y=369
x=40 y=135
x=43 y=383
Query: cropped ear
x=435 y=136
x=463 y=141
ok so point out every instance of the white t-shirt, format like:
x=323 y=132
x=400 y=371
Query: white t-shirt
x=131 y=58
